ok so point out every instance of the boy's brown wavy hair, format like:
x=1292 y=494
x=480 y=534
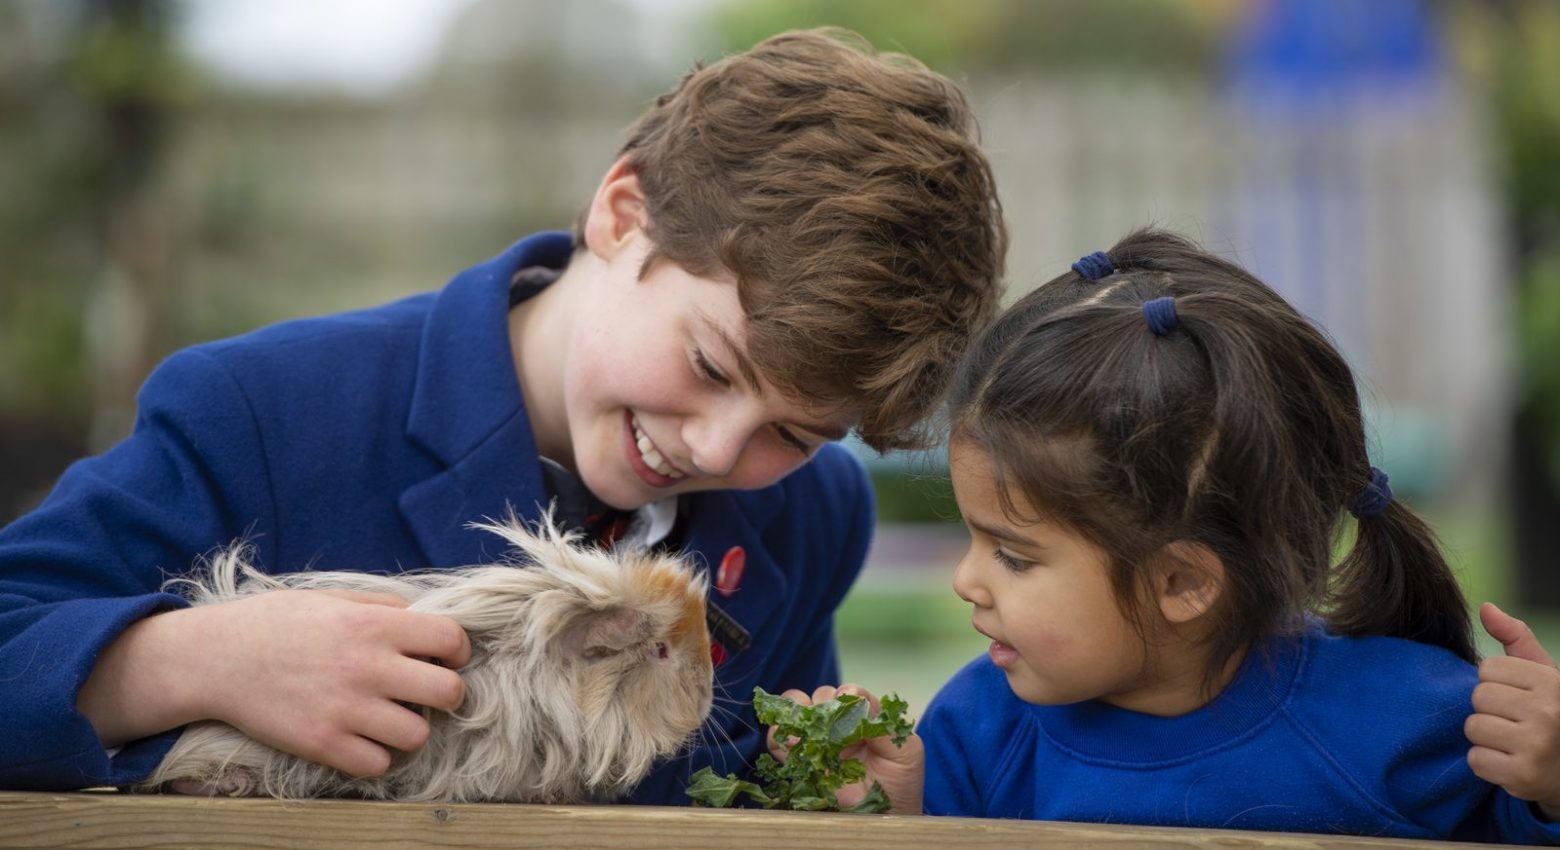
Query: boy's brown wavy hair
x=846 y=192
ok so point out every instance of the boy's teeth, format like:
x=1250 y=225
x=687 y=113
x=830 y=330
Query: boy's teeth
x=652 y=457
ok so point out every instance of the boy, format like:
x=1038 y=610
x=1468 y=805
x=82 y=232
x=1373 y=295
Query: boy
x=794 y=243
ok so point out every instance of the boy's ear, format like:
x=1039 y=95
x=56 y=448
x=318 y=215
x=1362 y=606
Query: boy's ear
x=617 y=211
x=1189 y=581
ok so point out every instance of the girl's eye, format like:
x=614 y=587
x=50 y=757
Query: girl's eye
x=1010 y=562
x=708 y=370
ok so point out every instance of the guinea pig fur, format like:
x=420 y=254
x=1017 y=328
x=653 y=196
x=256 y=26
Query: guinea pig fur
x=586 y=666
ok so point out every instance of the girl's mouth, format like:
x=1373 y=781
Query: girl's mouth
x=1003 y=655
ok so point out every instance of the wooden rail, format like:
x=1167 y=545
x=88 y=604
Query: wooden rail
x=88 y=820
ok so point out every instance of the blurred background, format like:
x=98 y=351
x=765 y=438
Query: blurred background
x=172 y=172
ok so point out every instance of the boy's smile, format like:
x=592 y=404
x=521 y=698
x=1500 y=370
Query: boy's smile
x=646 y=457
x=637 y=379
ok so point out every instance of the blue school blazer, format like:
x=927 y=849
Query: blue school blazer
x=367 y=441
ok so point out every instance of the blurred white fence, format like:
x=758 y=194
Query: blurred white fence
x=1376 y=216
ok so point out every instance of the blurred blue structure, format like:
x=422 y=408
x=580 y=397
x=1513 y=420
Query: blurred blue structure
x=1308 y=73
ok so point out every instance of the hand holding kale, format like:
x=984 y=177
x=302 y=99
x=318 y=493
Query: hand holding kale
x=817 y=764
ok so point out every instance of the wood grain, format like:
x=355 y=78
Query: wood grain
x=89 y=820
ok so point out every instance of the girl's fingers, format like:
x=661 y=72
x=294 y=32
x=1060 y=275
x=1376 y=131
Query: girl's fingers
x=1517 y=673
x=848 y=688
x=1495 y=733
x=1492 y=766
x=798 y=696
x=1514 y=635
x=1500 y=700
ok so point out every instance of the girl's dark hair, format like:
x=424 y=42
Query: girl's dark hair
x=1239 y=429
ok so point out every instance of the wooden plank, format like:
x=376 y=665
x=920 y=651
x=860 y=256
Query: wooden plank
x=88 y=820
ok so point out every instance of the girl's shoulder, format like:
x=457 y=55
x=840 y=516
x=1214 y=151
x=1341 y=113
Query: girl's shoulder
x=1394 y=668
x=976 y=708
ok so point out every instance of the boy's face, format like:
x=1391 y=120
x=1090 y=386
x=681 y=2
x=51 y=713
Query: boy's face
x=1043 y=594
x=658 y=394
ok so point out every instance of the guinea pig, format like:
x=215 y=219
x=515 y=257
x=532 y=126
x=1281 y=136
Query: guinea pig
x=586 y=666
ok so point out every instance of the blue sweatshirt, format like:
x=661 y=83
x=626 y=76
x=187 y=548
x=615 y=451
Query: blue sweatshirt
x=1357 y=736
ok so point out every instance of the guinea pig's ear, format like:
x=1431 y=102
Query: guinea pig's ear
x=597 y=634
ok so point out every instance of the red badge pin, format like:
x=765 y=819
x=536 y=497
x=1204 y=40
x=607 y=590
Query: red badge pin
x=729 y=574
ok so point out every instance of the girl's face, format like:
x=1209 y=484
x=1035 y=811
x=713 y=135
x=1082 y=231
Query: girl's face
x=1042 y=593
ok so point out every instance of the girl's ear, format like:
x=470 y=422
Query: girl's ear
x=617 y=211
x=1189 y=582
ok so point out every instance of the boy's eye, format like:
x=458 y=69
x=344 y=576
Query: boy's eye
x=708 y=370
x=791 y=440
x=1015 y=564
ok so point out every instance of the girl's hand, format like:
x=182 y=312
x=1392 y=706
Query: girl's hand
x=1515 y=727
x=901 y=770
x=319 y=674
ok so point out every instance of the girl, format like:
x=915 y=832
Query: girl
x=1154 y=455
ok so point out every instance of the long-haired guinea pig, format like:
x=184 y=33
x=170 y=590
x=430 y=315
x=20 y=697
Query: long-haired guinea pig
x=586 y=666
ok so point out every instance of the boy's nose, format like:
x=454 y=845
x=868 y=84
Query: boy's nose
x=716 y=444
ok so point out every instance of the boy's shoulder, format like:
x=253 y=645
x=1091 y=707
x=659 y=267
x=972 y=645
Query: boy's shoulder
x=305 y=337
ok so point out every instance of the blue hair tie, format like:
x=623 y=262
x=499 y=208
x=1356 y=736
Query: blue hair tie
x=1095 y=266
x=1160 y=314
x=1374 y=498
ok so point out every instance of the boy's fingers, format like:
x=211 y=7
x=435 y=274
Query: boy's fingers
x=1514 y=635
x=360 y=757
x=396 y=727
x=432 y=636
x=389 y=600
x=430 y=685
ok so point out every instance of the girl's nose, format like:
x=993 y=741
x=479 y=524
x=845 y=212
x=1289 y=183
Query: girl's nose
x=966 y=581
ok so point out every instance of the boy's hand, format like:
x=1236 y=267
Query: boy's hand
x=319 y=674
x=1515 y=727
x=901 y=770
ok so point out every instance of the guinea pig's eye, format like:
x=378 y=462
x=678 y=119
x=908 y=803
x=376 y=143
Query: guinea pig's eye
x=661 y=651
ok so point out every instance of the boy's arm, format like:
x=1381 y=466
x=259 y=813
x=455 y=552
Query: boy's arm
x=1515 y=727
x=79 y=577
x=258 y=665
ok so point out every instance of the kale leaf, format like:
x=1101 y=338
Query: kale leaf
x=814 y=770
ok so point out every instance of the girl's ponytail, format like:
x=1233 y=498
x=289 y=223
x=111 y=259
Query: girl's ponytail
x=1395 y=582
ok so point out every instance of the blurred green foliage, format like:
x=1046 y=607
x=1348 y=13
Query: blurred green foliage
x=1512 y=49
x=913 y=497
x=1163 y=35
